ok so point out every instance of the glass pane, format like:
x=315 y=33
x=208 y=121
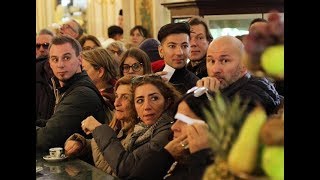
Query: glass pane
x=233 y=25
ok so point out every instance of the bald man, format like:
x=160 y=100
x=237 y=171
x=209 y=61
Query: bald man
x=227 y=73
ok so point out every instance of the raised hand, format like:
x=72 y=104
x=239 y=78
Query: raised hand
x=89 y=124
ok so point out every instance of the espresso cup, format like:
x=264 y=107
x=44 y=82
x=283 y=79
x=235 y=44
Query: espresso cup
x=56 y=152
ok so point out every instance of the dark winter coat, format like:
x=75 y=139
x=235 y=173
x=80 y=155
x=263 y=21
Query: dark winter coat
x=77 y=100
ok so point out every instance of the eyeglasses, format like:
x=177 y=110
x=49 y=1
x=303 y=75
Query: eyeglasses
x=114 y=51
x=138 y=79
x=44 y=45
x=135 y=67
x=187 y=119
x=199 y=91
x=67 y=26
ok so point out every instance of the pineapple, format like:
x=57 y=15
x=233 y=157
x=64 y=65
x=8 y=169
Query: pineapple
x=224 y=120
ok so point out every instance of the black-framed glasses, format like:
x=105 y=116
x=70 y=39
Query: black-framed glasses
x=44 y=45
x=137 y=79
x=135 y=67
x=199 y=91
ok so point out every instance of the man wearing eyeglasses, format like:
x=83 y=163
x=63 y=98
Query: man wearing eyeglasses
x=228 y=73
x=42 y=43
x=71 y=28
x=44 y=92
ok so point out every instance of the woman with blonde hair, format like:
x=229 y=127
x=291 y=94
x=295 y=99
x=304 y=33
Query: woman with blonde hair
x=103 y=70
x=123 y=121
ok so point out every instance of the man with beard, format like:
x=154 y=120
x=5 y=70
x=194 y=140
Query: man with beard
x=228 y=74
x=75 y=94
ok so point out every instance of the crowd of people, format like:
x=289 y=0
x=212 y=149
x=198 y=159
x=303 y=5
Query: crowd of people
x=112 y=104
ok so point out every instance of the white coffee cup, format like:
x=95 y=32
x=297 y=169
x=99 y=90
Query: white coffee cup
x=56 y=152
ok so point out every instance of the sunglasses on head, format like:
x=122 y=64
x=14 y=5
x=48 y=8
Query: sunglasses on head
x=44 y=45
x=138 y=79
x=135 y=67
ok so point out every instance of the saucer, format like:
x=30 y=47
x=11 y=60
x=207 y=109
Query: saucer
x=38 y=169
x=55 y=159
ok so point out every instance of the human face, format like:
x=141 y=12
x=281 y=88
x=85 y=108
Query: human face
x=136 y=37
x=198 y=42
x=64 y=62
x=89 y=45
x=69 y=28
x=260 y=28
x=122 y=102
x=179 y=127
x=224 y=62
x=149 y=103
x=175 y=50
x=130 y=61
x=93 y=73
x=43 y=40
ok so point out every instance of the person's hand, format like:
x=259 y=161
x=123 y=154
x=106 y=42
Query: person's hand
x=177 y=146
x=198 y=136
x=89 y=124
x=72 y=147
x=212 y=83
x=162 y=73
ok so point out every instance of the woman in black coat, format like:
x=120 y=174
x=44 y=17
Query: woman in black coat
x=188 y=154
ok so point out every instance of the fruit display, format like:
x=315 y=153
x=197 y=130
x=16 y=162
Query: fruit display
x=250 y=146
x=272 y=61
x=265 y=51
x=243 y=155
x=272 y=137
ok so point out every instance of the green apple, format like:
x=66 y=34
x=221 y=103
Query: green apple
x=272 y=60
x=273 y=162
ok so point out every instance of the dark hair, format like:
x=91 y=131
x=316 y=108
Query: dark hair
x=150 y=47
x=167 y=90
x=143 y=31
x=59 y=40
x=196 y=20
x=84 y=38
x=196 y=104
x=140 y=56
x=257 y=20
x=173 y=28
x=114 y=30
